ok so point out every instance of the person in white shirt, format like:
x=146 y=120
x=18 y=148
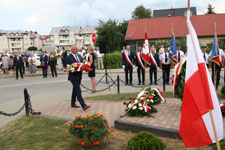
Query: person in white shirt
x=100 y=59
x=205 y=55
x=180 y=53
x=165 y=65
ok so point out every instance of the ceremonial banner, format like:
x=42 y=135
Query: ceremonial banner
x=173 y=50
x=215 y=55
x=145 y=51
x=199 y=97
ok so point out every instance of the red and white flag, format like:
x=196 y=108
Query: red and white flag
x=145 y=51
x=199 y=97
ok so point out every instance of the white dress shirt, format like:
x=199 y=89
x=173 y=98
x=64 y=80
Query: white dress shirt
x=181 y=54
x=163 y=58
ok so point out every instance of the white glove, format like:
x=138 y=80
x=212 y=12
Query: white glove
x=123 y=66
x=158 y=68
x=134 y=66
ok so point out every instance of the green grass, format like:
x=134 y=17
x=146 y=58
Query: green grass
x=122 y=96
x=36 y=132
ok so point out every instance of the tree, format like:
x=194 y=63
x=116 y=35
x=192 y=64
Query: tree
x=141 y=12
x=32 y=48
x=110 y=34
x=210 y=9
x=123 y=29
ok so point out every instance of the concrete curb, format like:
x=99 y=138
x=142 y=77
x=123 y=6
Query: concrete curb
x=135 y=127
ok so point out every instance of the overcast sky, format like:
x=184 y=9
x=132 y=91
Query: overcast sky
x=42 y=15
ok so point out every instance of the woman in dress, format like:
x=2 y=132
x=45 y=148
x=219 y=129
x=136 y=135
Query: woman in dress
x=32 y=65
x=59 y=59
x=91 y=74
x=5 y=63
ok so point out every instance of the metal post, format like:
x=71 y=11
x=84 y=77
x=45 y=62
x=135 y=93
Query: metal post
x=164 y=85
x=118 y=84
x=26 y=102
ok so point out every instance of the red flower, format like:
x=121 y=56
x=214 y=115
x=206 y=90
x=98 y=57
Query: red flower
x=129 y=101
x=131 y=98
x=124 y=103
x=150 y=96
x=93 y=128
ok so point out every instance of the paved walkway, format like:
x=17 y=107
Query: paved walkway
x=168 y=115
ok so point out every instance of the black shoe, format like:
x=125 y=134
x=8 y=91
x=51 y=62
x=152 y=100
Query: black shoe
x=131 y=84
x=150 y=84
x=139 y=83
x=156 y=83
x=143 y=84
x=168 y=83
x=126 y=83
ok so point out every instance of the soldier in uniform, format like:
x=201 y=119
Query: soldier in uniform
x=165 y=65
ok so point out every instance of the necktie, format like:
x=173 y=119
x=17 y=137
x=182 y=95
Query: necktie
x=178 y=56
x=166 y=59
x=77 y=59
x=204 y=57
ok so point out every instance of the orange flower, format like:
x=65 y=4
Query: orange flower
x=69 y=125
x=81 y=126
x=97 y=142
x=67 y=130
x=112 y=130
x=98 y=115
x=107 y=137
x=77 y=116
x=83 y=119
x=93 y=128
x=82 y=143
x=89 y=122
x=101 y=115
x=91 y=139
x=94 y=143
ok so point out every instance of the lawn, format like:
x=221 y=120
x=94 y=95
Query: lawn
x=37 y=132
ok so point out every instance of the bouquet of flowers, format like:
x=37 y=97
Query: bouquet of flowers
x=143 y=104
x=76 y=67
x=89 y=130
x=58 y=56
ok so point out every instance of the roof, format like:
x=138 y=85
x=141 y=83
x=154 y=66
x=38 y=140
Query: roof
x=173 y=12
x=159 y=28
x=75 y=29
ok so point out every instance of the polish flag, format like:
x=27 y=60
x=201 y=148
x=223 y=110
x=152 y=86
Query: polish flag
x=196 y=128
x=145 y=51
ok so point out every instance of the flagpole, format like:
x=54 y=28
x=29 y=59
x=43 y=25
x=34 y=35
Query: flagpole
x=210 y=111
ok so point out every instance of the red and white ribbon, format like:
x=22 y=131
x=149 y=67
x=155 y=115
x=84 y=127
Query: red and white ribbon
x=153 y=60
x=140 y=61
x=127 y=58
x=160 y=94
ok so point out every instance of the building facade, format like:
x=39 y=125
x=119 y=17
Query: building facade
x=66 y=36
x=18 y=40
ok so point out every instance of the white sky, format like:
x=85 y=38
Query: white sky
x=42 y=15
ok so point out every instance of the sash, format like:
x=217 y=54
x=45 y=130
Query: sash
x=140 y=62
x=128 y=59
x=153 y=60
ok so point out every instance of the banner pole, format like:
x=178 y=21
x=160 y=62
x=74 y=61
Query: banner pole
x=214 y=130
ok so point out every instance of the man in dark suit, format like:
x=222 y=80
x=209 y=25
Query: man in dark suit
x=64 y=55
x=153 y=68
x=75 y=79
x=44 y=62
x=140 y=66
x=18 y=64
x=127 y=62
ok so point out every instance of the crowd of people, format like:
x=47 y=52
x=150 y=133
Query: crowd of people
x=161 y=60
x=49 y=62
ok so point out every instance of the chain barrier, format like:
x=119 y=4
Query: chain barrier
x=135 y=86
x=12 y=114
x=28 y=108
x=98 y=90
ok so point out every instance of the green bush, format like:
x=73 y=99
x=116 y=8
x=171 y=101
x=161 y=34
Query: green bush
x=145 y=141
x=222 y=146
x=113 y=60
x=223 y=90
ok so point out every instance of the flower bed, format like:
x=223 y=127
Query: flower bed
x=142 y=105
x=90 y=130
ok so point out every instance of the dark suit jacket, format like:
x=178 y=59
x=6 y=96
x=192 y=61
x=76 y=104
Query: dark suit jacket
x=18 y=63
x=64 y=54
x=124 y=60
x=44 y=59
x=156 y=57
x=73 y=75
x=137 y=62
